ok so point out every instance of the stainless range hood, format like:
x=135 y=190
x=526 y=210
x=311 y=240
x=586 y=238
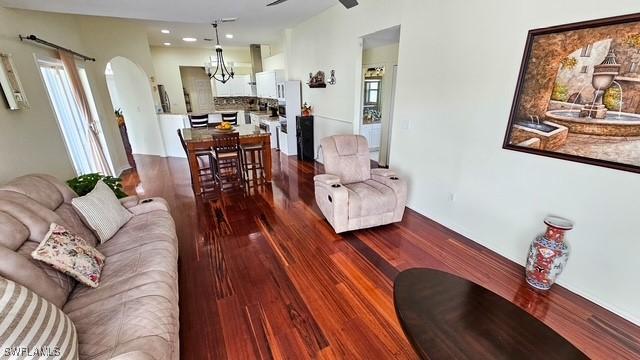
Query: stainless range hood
x=256 y=61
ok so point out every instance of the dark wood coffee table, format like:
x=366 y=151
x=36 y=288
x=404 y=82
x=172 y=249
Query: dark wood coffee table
x=447 y=317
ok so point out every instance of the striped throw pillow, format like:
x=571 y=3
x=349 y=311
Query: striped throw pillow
x=101 y=211
x=32 y=326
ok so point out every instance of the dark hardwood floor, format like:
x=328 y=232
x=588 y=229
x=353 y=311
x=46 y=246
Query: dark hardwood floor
x=263 y=276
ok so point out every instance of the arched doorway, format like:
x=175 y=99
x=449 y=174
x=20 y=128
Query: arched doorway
x=130 y=92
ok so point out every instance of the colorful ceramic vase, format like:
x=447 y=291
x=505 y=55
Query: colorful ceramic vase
x=548 y=254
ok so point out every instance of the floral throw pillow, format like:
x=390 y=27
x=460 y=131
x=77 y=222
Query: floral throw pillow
x=71 y=255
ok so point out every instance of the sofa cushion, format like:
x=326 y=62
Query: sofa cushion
x=102 y=211
x=370 y=198
x=70 y=254
x=147 y=228
x=38 y=189
x=31 y=322
x=33 y=215
x=136 y=306
x=13 y=233
x=37 y=276
x=72 y=221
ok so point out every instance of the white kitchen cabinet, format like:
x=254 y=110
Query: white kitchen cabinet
x=238 y=86
x=222 y=90
x=267 y=83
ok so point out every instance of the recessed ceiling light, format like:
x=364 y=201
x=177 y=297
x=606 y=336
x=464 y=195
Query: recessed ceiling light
x=189 y=39
x=167 y=44
x=229 y=36
x=165 y=31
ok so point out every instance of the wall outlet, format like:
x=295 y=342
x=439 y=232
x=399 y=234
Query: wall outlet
x=452 y=196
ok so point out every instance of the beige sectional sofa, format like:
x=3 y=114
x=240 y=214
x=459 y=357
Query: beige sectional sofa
x=133 y=314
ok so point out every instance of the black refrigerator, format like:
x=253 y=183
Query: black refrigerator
x=304 y=133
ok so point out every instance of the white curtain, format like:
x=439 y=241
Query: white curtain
x=84 y=107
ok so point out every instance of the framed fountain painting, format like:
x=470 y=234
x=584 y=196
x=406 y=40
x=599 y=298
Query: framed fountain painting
x=578 y=94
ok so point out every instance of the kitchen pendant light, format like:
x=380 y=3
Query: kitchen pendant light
x=220 y=73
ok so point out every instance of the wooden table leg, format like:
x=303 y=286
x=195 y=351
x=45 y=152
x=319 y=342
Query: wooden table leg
x=266 y=149
x=194 y=166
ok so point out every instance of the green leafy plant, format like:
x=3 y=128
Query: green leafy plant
x=83 y=184
x=560 y=93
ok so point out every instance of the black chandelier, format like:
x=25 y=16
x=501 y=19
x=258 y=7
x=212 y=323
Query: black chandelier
x=221 y=73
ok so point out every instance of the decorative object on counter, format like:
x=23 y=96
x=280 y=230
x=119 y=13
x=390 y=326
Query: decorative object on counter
x=374 y=72
x=332 y=78
x=10 y=84
x=84 y=184
x=220 y=73
x=372 y=116
x=307 y=110
x=548 y=254
x=317 y=80
x=124 y=134
x=576 y=96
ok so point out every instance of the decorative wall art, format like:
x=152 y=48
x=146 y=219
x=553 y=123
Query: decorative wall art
x=578 y=94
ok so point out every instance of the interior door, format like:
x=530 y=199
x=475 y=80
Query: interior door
x=204 y=96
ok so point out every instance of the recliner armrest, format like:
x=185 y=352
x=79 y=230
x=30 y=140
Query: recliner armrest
x=327 y=179
x=383 y=172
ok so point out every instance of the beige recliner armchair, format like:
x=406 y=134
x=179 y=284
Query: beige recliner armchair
x=353 y=196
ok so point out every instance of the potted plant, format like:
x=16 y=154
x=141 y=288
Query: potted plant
x=83 y=184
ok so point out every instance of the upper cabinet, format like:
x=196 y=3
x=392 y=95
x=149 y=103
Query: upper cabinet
x=267 y=83
x=240 y=85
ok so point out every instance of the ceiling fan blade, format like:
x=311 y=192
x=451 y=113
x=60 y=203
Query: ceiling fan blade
x=277 y=2
x=349 y=3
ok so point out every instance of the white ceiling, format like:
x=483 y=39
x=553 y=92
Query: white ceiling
x=382 y=38
x=256 y=23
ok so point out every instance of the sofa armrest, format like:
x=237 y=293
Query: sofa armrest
x=327 y=179
x=130 y=201
x=149 y=205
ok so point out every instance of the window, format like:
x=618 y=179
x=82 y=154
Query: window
x=584 y=69
x=634 y=67
x=73 y=125
x=586 y=51
x=372 y=92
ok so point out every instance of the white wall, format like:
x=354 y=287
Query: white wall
x=336 y=108
x=134 y=93
x=458 y=67
x=167 y=62
x=30 y=140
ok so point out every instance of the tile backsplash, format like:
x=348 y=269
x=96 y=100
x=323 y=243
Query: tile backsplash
x=241 y=103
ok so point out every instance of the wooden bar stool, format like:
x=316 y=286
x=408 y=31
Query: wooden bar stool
x=253 y=164
x=205 y=171
x=228 y=161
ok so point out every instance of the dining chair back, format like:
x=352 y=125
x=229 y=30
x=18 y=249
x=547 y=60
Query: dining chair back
x=228 y=160
x=230 y=118
x=199 y=121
